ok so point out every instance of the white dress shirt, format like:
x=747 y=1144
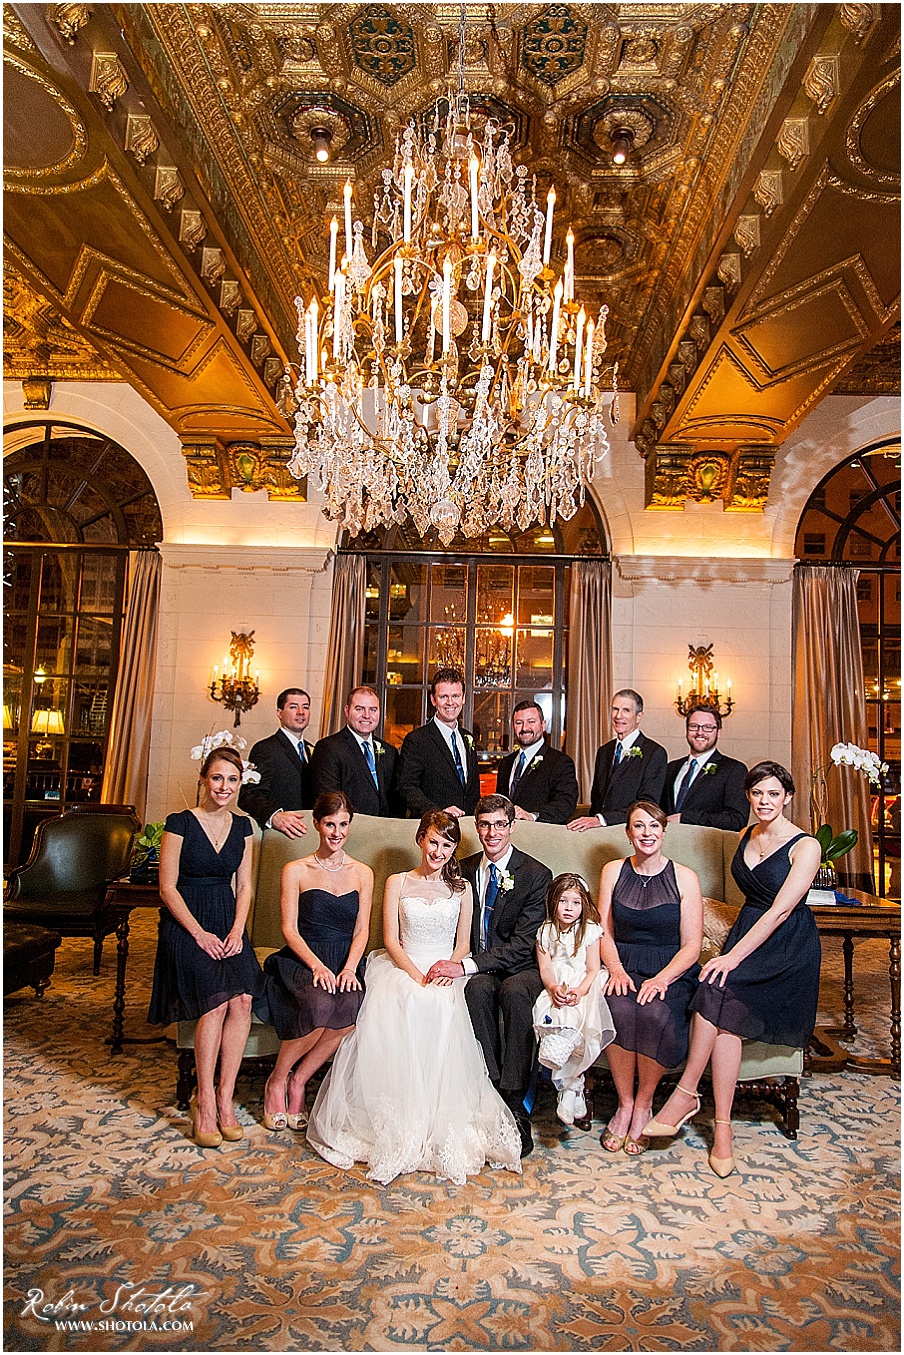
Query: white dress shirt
x=483 y=879
x=447 y=733
x=627 y=742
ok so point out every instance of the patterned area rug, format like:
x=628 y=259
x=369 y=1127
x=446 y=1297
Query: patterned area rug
x=262 y=1246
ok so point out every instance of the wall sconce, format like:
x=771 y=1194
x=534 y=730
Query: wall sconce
x=235 y=686
x=622 y=139
x=321 y=138
x=704 y=685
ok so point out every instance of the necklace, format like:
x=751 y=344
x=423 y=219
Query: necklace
x=331 y=869
x=211 y=832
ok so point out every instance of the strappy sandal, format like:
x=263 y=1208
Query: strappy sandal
x=658 y=1129
x=612 y=1142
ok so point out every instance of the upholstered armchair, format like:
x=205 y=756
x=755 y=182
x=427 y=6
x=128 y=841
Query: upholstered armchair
x=63 y=884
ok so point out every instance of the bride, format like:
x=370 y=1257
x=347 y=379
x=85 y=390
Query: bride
x=409 y=1090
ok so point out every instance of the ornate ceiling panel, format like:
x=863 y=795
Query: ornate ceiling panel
x=163 y=192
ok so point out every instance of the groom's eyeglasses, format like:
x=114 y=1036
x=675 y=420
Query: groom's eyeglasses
x=492 y=825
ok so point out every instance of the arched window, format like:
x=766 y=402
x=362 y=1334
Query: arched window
x=853 y=517
x=75 y=504
x=495 y=606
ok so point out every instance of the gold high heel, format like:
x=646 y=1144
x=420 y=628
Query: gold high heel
x=297 y=1120
x=722 y=1166
x=203 y=1139
x=275 y=1122
x=658 y=1129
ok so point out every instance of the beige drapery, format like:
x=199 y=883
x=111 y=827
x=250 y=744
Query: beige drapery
x=345 y=647
x=589 y=666
x=129 y=744
x=829 y=706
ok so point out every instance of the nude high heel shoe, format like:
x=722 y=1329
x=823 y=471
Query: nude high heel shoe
x=660 y=1129
x=275 y=1122
x=722 y=1166
x=203 y=1140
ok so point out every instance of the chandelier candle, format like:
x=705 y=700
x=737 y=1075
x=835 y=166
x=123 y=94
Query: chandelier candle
x=348 y=218
x=334 y=231
x=547 y=244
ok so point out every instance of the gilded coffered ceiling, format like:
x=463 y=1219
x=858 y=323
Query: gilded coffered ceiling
x=164 y=200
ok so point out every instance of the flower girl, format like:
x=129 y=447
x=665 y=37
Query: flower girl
x=571 y=1016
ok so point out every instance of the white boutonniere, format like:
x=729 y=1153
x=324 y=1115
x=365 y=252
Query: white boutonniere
x=468 y=740
x=379 y=749
x=710 y=768
x=506 y=882
x=535 y=762
x=634 y=752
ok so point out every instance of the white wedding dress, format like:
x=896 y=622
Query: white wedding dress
x=408 y=1090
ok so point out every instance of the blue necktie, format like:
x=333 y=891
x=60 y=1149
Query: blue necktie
x=489 y=902
x=369 y=755
x=301 y=750
x=618 y=753
x=519 y=772
x=685 y=785
x=455 y=753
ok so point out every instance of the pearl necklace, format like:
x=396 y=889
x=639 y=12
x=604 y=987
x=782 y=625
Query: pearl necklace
x=332 y=869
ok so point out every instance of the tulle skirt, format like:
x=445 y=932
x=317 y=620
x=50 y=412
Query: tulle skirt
x=408 y=1090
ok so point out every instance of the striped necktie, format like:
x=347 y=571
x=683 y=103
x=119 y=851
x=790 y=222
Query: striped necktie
x=519 y=772
x=455 y=753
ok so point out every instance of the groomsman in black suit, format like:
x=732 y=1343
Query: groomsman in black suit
x=706 y=787
x=509 y=891
x=283 y=761
x=355 y=761
x=629 y=767
x=540 y=781
x=437 y=764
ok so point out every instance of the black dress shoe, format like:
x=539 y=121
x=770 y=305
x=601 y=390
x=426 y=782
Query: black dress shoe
x=515 y=1103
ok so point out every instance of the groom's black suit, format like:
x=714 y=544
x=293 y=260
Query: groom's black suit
x=508 y=981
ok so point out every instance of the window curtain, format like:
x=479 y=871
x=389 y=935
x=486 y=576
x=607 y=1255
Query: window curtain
x=129 y=743
x=589 y=666
x=829 y=707
x=345 y=648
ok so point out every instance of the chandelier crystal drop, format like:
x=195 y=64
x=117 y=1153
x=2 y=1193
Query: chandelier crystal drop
x=455 y=378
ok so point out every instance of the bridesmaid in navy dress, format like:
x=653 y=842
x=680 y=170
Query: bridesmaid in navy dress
x=314 y=983
x=652 y=915
x=765 y=984
x=206 y=969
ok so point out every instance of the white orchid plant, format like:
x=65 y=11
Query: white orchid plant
x=226 y=739
x=835 y=845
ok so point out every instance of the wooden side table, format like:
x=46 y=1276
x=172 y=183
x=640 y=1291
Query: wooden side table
x=872 y=916
x=122 y=897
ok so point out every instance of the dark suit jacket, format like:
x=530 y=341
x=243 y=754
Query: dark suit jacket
x=635 y=778
x=517 y=915
x=339 y=764
x=427 y=777
x=548 y=788
x=285 y=780
x=716 y=798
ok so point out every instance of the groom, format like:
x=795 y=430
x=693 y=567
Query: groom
x=509 y=891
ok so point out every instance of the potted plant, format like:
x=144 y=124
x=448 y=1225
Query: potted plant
x=835 y=845
x=146 y=854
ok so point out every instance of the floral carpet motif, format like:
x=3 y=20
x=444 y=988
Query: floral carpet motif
x=262 y=1246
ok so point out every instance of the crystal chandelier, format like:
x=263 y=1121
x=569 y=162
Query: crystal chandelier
x=455 y=378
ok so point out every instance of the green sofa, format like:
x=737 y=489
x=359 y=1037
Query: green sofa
x=388 y=846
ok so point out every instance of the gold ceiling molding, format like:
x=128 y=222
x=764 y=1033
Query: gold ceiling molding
x=18 y=175
x=805 y=295
x=39 y=342
x=69 y=20
x=215 y=470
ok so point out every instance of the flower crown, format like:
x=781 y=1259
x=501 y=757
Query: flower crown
x=226 y=739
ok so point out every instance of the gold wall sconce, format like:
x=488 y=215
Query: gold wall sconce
x=704 y=690
x=235 y=687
